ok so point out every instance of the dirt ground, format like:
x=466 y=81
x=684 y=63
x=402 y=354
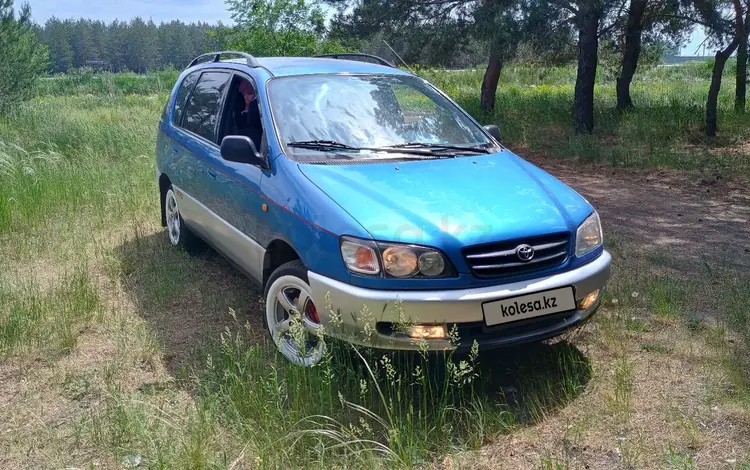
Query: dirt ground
x=693 y=216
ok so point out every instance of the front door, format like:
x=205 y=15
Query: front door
x=227 y=206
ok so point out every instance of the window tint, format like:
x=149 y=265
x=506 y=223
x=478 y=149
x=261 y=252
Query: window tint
x=202 y=109
x=182 y=93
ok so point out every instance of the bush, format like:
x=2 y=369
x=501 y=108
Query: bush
x=22 y=59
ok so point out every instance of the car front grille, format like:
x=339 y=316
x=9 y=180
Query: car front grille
x=500 y=258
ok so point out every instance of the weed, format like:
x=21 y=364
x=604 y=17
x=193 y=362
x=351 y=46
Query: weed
x=619 y=401
x=677 y=460
x=76 y=384
x=687 y=426
x=551 y=463
x=666 y=296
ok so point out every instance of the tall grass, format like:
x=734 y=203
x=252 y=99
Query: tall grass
x=81 y=168
x=358 y=409
x=534 y=108
x=75 y=155
x=45 y=321
x=106 y=83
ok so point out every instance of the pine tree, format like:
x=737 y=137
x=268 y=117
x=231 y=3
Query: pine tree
x=23 y=59
x=57 y=38
x=137 y=45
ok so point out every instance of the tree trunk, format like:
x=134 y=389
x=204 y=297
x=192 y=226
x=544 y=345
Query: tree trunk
x=491 y=77
x=741 y=78
x=589 y=13
x=631 y=53
x=740 y=91
x=713 y=91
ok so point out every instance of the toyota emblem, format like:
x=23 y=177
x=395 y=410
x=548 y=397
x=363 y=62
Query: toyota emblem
x=524 y=252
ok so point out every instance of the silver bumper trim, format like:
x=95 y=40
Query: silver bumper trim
x=444 y=306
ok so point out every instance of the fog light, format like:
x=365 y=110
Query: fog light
x=589 y=300
x=426 y=331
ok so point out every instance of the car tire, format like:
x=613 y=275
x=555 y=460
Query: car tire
x=290 y=315
x=178 y=234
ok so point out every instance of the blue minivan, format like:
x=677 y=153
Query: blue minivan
x=370 y=207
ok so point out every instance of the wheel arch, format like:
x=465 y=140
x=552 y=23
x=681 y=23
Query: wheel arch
x=278 y=252
x=164 y=184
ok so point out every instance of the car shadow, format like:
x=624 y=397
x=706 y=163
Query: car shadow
x=187 y=298
x=190 y=300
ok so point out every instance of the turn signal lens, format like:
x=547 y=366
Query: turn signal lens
x=399 y=261
x=426 y=331
x=589 y=300
x=589 y=235
x=360 y=258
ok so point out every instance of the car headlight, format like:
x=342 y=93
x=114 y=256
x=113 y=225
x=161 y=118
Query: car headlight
x=400 y=261
x=589 y=235
x=394 y=259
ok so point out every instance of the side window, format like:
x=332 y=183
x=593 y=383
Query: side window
x=202 y=109
x=182 y=93
x=242 y=113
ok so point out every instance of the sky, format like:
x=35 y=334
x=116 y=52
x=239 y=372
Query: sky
x=208 y=11
x=693 y=47
x=188 y=11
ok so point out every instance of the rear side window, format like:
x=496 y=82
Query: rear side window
x=182 y=93
x=202 y=109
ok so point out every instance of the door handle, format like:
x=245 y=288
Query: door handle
x=175 y=150
x=211 y=174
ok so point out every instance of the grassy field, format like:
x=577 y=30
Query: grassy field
x=534 y=106
x=118 y=351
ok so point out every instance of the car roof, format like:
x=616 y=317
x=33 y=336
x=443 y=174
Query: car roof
x=287 y=66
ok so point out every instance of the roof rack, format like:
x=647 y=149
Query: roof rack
x=216 y=57
x=358 y=56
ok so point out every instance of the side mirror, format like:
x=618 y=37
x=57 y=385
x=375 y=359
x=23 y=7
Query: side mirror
x=241 y=149
x=494 y=131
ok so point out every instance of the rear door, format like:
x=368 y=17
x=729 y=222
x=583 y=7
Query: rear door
x=170 y=159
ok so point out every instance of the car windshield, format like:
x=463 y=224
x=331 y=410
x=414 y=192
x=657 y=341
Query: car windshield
x=354 y=116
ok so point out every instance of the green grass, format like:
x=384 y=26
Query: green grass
x=534 y=107
x=666 y=296
x=79 y=235
x=676 y=460
x=77 y=184
x=76 y=155
x=664 y=130
x=550 y=463
x=105 y=83
x=46 y=322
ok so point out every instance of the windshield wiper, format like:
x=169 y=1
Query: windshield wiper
x=324 y=146
x=436 y=147
x=415 y=153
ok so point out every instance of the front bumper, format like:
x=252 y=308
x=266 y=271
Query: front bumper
x=358 y=313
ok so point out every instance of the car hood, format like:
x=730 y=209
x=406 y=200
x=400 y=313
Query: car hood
x=455 y=202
